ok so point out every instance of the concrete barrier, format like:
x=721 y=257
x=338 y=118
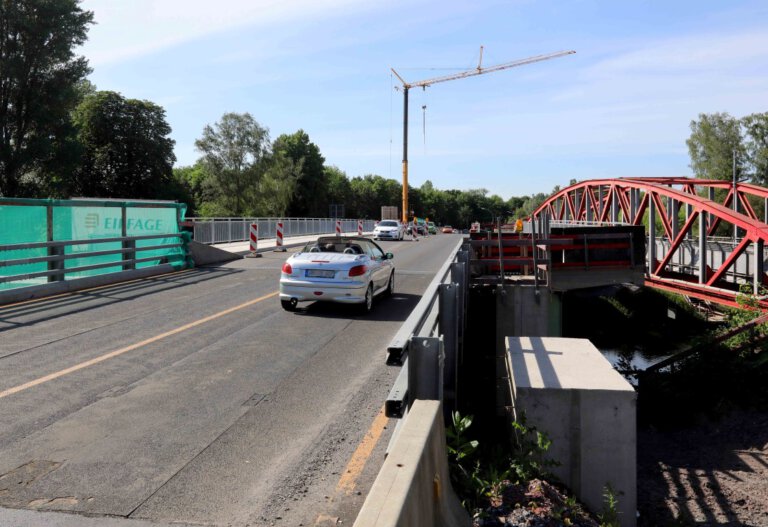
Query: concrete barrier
x=567 y=389
x=413 y=487
x=207 y=254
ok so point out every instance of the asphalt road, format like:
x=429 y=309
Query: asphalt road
x=193 y=398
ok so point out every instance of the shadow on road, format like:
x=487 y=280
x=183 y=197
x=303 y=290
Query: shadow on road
x=396 y=308
x=30 y=313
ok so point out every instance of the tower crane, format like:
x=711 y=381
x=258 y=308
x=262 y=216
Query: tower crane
x=479 y=70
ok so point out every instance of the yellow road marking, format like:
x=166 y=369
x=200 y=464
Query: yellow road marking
x=102 y=358
x=73 y=293
x=354 y=468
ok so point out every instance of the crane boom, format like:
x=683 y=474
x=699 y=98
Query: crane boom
x=480 y=70
x=464 y=74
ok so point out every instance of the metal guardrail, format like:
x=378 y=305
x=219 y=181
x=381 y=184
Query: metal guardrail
x=431 y=340
x=56 y=256
x=226 y=230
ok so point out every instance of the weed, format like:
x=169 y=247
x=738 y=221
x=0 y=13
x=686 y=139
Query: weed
x=610 y=515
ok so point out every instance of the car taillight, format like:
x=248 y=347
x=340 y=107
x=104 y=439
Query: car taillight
x=358 y=270
x=287 y=269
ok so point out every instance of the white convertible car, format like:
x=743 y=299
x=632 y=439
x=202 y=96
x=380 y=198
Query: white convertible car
x=346 y=269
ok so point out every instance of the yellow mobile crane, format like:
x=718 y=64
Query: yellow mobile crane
x=479 y=70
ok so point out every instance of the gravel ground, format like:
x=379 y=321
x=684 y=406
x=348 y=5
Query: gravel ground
x=713 y=474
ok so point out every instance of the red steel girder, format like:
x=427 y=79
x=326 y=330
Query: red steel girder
x=658 y=190
x=676 y=243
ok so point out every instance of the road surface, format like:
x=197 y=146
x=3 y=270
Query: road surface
x=193 y=398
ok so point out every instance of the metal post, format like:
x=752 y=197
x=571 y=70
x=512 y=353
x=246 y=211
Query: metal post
x=460 y=278
x=735 y=200
x=127 y=244
x=599 y=202
x=425 y=368
x=448 y=297
x=53 y=251
x=576 y=196
x=533 y=255
x=688 y=213
x=651 y=236
x=404 y=213
x=614 y=207
x=759 y=266
x=702 y=247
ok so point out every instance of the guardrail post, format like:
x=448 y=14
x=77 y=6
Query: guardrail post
x=127 y=244
x=425 y=368
x=449 y=329
x=53 y=251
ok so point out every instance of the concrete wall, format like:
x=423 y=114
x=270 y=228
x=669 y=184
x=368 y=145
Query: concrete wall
x=413 y=488
x=525 y=310
x=522 y=309
x=567 y=389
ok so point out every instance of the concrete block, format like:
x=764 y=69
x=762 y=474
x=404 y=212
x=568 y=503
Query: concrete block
x=568 y=390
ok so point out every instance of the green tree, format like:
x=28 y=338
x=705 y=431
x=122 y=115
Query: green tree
x=311 y=197
x=756 y=146
x=339 y=190
x=233 y=152
x=39 y=75
x=126 y=151
x=278 y=185
x=714 y=140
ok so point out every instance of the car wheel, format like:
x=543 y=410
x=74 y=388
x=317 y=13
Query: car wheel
x=289 y=305
x=391 y=284
x=367 y=304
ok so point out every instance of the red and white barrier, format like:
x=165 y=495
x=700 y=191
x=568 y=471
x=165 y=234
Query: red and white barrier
x=254 y=241
x=359 y=227
x=279 y=238
x=338 y=227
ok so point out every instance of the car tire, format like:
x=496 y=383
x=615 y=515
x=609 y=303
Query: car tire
x=367 y=305
x=390 y=285
x=289 y=305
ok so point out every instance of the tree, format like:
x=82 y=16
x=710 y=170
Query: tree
x=126 y=151
x=339 y=190
x=233 y=150
x=311 y=198
x=278 y=185
x=39 y=75
x=756 y=146
x=713 y=141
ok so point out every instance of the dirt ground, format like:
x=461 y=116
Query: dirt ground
x=712 y=474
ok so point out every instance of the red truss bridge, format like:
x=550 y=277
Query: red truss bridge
x=711 y=238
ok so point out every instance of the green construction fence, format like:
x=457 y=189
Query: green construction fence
x=27 y=221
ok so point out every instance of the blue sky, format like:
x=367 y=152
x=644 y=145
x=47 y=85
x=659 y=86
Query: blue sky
x=621 y=106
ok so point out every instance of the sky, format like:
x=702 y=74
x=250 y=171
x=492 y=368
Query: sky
x=620 y=106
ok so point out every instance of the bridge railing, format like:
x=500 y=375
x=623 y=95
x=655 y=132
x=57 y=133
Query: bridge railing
x=227 y=230
x=429 y=342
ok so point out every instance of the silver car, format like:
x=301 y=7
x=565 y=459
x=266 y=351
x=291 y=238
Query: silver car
x=345 y=269
x=389 y=230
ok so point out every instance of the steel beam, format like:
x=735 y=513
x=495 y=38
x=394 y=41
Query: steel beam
x=448 y=328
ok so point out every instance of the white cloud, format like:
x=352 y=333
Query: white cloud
x=127 y=29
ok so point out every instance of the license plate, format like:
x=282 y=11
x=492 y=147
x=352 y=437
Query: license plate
x=320 y=273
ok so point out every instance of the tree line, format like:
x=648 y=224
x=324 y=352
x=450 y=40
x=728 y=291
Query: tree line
x=61 y=137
